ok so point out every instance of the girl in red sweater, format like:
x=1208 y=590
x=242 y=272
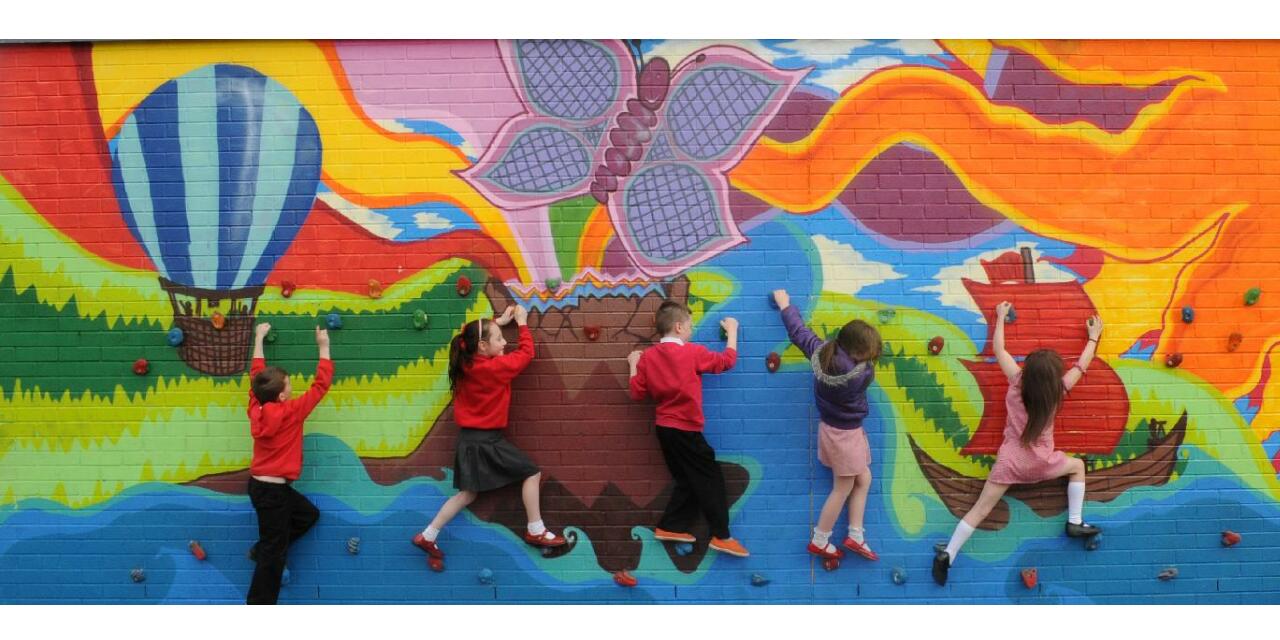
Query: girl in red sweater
x=480 y=375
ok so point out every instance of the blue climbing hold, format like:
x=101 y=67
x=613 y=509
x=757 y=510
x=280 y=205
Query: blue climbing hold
x=683 y=548
x=758 y=580
x=1012 y=316
x=898 y=575
x=137 y=575
x=334 y=321
x=1188 y=314
x=485 y=576
x=286 y=577
x=175 y=337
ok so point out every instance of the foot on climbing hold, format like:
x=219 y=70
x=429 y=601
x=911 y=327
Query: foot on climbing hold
x=464 y=286
x=1082 y=530
x=625 y=579
x=1168 y=574
x=1230 y=538
x=1093 y=542
x=175 y=337
x=758 y=580
x=137 y=575
x=898 y=575
x=333 y=321
x=773 y=361
x=1030 y=577
x=1188 y=314
x=141 y=366
x=420 y=320
x=1173 y=360
x=1251 y=296
x=683 y=548
x=436 y=564
x=941 y=566
x=935 y=345
x=485 y=576
x=197 y=550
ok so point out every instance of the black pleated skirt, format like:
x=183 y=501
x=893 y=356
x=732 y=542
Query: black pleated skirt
x=484 y=460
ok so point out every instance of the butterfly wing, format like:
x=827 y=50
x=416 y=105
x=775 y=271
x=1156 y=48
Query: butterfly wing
x=570 y=90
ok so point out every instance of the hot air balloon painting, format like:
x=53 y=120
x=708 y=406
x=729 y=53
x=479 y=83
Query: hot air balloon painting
x=215 y=172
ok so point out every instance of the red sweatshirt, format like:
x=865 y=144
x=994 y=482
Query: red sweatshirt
x=483 y=396
x=671 y=373
x=277 y=426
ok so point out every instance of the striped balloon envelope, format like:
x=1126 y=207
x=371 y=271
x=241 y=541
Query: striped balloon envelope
x=215 y=172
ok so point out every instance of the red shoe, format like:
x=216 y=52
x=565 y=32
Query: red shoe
x=428 y=546
x=860 y=549
x=822 y=553
x=729 y=546
x=547 y=539
x=672 y=536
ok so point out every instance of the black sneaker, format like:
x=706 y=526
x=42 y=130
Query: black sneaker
x=941 y=564
x=1082 y=530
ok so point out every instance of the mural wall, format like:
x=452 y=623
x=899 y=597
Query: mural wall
x=158 y=199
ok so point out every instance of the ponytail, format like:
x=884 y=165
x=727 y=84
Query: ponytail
x=858 y=339
x=462 y=350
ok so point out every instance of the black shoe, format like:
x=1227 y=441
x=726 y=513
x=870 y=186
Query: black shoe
x=1082 y=530
x=941 y=565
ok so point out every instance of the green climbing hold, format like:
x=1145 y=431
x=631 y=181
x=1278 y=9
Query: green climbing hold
x=420 y=319
x=1251 y=296
x=553 y=284
x=886 y=315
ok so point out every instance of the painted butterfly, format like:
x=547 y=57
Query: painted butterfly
x=652 y=145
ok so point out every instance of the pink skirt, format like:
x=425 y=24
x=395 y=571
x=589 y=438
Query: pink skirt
x=1018 y=464
x=845 y=451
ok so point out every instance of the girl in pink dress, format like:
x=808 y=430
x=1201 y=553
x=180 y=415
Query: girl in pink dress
x=1027 y=455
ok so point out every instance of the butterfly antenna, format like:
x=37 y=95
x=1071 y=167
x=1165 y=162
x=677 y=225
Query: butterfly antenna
x=698 y=59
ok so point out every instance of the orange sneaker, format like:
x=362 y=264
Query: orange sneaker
x=672 y=536
x=860 y=549
x=729 y=546
x=428 y=546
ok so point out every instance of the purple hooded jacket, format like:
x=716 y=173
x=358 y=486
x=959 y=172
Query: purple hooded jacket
x=841 y=398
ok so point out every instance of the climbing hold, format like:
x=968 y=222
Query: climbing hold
x=1251 y=296
x=464 y=286
x=1012 y=316
x=353 y=546
x=436 y=564
x=375 y=289
x=773 y=361
x=286 y=577
x=218 y=320
x=898 y=575
x=758 y=580
x=592 y=331
x=1230 y=538
x=1188 y=314
x=137 y=575
x=197 y=550
x=1168 y=574
x=174 y=337
x=485 y=576
x=625 y=579
x=1093 y=542
x=831 y=564
x=287 y=288
x=886 y=315
x=772 y=302
x=683 y=548
x=420 y=320
x=935 y=345
x=333 y=320
x=141 y=366
x=1030 y=577
x=271 y=337
x=1233 y=341
x=553 y=284
x=1173 y=360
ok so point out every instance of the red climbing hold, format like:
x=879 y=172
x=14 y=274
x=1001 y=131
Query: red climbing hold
x=287 y=288
x=831 y=564
x=625 y=579
x=197 y=550
x=1172 y=360
x=464 y=286
x=1230 y=538
x=1233 y=341
x=375 y=289
x=436 y=564
x=1030 y=578
x=218 y=320
x=141 y=366
x=592 y=331
x=935 y=345
x=773 y=361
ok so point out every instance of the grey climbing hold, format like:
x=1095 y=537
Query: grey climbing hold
x=485 y=576
x=137 y=575
x=1168 y=574
x=1093 y=542
x=898 y=575
x=758 y=580
x=683 y=548
x=353 y=546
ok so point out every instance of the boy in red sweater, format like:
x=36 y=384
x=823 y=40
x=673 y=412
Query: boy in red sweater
x=275 y=419
x=671 y=373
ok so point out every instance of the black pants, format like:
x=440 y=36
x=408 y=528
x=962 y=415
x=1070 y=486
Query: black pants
x=699 y=483
x=284 y=515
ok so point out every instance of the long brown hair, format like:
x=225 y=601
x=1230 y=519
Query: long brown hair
x=462 y=349
x=858 y=339
x=1042 y=391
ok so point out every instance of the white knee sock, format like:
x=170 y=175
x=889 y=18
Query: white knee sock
x=958 y=538
x=430 y=533
x=537 y=528
x=1075 y=502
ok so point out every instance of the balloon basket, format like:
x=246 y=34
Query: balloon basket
x=217 y=325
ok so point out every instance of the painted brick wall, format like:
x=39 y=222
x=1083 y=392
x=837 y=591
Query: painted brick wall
x=406 y=187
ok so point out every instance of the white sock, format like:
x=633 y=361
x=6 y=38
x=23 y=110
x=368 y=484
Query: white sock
x=958 y=538
x=857 y=534
x=821 y=540
x=1075 y=502
x=430 y=533
x=537 y=528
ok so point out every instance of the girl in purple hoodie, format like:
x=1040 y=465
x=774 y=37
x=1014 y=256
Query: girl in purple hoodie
x=843 y=368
